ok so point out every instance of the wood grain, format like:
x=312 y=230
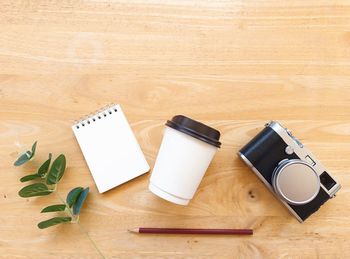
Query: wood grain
x=231 y=64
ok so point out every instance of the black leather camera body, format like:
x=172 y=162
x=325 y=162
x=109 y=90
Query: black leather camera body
x=289 y=170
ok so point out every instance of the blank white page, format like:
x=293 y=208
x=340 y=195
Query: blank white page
x=110 y=148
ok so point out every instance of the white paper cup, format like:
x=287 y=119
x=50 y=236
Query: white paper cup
x=186 y=151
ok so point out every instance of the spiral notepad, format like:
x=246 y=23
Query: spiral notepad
x=110 y=148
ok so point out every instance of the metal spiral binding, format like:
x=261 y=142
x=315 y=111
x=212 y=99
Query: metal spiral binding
x=96 y=115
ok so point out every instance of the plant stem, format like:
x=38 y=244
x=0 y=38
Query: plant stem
x=51 y=187
x=81 y=227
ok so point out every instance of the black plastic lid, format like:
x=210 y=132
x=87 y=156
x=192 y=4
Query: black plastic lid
x=195 y=129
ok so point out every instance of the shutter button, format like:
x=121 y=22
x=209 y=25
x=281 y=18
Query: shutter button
x=289 y=150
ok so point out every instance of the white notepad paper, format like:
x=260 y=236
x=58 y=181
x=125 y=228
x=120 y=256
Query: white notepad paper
x=110 y=148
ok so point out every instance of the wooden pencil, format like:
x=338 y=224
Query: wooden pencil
x=142 y=230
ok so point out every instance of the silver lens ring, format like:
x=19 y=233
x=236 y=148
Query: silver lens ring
x=295 y=182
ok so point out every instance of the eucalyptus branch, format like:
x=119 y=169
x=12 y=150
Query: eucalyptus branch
x=47 y=179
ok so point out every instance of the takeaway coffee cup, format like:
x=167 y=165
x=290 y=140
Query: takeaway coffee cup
x=187 y=149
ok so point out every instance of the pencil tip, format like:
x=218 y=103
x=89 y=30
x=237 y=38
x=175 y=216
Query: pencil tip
x=133 y=230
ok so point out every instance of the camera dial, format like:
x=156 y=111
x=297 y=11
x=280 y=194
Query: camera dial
x=295 y=181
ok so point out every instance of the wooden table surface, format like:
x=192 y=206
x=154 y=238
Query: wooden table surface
x=231 y=64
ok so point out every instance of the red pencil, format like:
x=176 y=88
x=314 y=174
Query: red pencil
x=192 y=231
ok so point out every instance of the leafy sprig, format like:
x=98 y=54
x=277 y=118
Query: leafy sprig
x=47 y=179
x=71 y=215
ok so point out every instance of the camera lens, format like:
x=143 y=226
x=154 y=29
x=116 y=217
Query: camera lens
x=296 y=182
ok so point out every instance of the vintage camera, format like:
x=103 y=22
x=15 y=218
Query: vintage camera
x=290 y=171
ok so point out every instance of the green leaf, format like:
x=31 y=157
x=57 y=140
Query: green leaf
x=35 y=189
x=29 y=177
x=25 y=157
x=80 y=201
x=53 y=222
x=33 y=149
x=57 y=170
x=44 y=167
x=57 y=207
x=73 y=196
